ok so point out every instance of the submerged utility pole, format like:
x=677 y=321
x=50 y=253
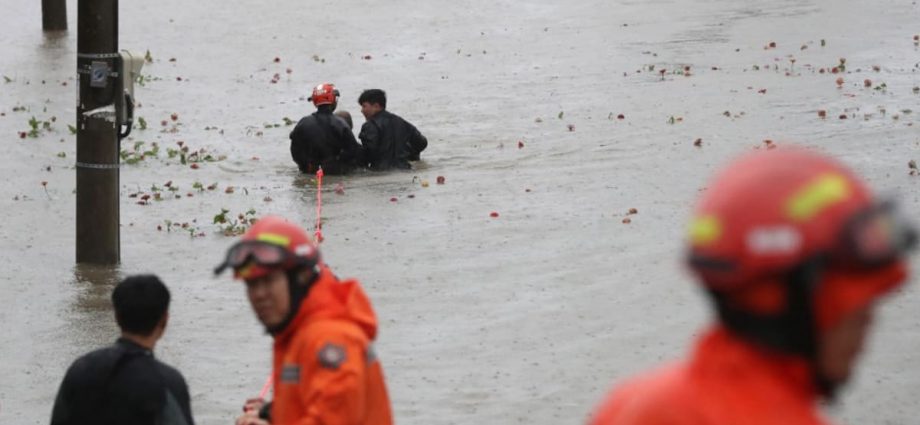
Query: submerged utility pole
x=54 y=15
x=98 y=220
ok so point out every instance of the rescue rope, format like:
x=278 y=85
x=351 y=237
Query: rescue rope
x=318 y=234
x=266 y=387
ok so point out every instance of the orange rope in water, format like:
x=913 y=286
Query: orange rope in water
x=318 y=234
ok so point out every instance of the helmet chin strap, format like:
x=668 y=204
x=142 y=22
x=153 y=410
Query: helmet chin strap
x=794 y=330
x=297 y=291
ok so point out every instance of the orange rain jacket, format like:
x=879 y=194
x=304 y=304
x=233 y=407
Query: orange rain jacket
x=325 y=370
x=727 y=381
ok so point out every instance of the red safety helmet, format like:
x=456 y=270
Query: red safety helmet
x=324 y=94
x=771 y=211
x=271 y=243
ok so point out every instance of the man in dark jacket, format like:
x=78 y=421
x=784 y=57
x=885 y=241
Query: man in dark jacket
x=324 y=139
x=124 y=383
x=389 y=141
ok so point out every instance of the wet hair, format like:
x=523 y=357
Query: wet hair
x=373 y=96
x=140 y=303
x=345 y=116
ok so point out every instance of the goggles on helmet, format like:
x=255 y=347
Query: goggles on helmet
x=873 y=238
x=261 y=253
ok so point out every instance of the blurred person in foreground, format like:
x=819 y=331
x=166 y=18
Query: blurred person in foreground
x=389 y=141
x=794 y=251
x=124 y=383
x=325 y=370
x=324 y=138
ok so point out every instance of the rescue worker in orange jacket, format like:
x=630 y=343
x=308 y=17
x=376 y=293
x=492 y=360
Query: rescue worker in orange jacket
x=325 y=370
x=794 y=251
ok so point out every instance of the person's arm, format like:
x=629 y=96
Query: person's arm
x=417 y=143
x=185 y=401
x=352 y=152
x=177 y=409
x=61 y=413
x=299 y=148
x=334 y=393
x=370 y=140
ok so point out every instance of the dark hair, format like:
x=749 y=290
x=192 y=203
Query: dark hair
x=373 y=96
x=140 y=303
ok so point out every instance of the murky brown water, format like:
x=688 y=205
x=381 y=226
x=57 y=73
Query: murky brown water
x=524 y=318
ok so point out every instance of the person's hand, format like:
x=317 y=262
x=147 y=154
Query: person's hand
x=247 y=419
x=253 y=405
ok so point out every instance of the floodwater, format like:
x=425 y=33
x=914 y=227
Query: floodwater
x=528 y=317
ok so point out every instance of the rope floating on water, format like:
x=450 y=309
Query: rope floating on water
x=318 y=234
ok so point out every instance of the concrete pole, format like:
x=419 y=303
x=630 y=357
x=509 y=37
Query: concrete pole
x=98 y=158
x=54 y=15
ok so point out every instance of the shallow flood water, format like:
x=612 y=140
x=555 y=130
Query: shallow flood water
x=528 y=317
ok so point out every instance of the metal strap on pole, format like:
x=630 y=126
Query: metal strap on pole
x=98 y=56
x=92 y=166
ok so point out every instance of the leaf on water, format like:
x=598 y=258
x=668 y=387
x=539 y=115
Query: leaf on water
x=222 y=217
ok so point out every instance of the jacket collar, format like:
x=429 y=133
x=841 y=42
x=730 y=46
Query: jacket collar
x=721 y=351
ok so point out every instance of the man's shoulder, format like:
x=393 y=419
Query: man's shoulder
x=168 y=371
x=96 y=359
x=646 y=397
x=315 y=335
x=393 y=117
x=173 y=378
x=371 y=125
x=307 y=120
x=338 y=122
x=103 y=352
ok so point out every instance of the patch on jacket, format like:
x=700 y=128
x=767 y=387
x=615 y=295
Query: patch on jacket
x=331 y=356
x=290 y=373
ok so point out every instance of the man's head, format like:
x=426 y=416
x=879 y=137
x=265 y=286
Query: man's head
x=345 y=116
x=141 y=305
x=795 y=250
x=279 y=263
x=325 y=94
x=372 y=101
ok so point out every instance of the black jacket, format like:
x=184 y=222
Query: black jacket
x=391 y=142
x=324 y=140
x=122 y=384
